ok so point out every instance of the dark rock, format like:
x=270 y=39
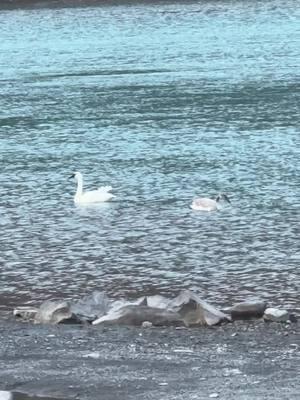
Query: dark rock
x=247 y=310
x=91 y=307
x=293 y=318
x=55 y=312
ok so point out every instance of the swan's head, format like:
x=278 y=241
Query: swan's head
x=76 y=175
x=222 y=196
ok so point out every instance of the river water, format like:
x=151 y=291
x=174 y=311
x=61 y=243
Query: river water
x=164 y=102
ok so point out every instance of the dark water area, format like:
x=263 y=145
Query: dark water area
x=163 y=103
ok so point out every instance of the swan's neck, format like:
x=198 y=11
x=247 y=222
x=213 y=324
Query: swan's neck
x=79 y=187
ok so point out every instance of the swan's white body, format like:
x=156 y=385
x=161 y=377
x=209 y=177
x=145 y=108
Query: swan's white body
x=95 y=196
x=205 y=204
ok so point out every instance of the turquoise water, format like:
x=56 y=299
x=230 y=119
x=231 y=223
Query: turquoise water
x=164 y=103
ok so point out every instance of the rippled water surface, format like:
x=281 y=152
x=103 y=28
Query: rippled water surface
x=163 y=102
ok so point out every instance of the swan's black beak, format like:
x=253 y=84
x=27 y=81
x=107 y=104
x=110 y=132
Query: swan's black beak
x=72 y=176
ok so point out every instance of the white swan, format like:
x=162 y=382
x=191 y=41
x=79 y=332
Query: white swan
x=95 y=196
x=205 y=204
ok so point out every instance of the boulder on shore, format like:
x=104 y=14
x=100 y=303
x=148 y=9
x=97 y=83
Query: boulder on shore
x=276 y=315
x=137 y=314
x=25 y=312
x=195 y=311
x=187 y=309
x=91 y=307
x=157 y=301
x=247 y=310
x=55 y=312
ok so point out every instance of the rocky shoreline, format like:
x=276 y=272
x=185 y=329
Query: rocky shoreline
x=187 y=309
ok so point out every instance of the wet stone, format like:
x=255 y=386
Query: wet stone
x=147 y=324
x=276 y=315
x=247 y=310
x=187 y=309
x=55 y=312
x=91 y=307
x=195 y=311
x=26 y=313
x=135 y=315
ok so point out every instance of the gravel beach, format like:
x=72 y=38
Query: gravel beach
x=243 y=360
